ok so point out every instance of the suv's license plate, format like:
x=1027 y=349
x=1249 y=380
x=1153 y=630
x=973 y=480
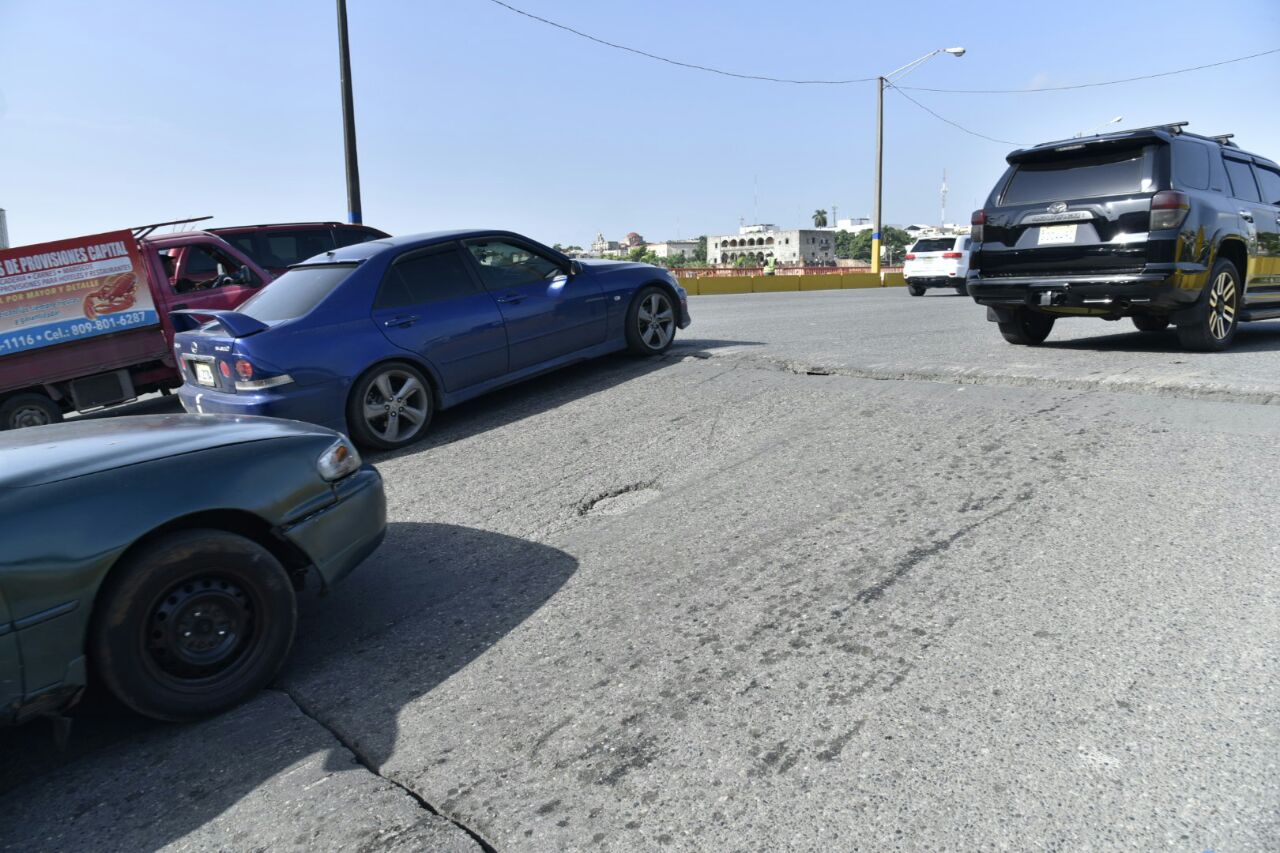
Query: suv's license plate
x=204 y=373
x=1051 y=234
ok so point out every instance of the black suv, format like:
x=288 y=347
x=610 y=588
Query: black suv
x=1156 y=224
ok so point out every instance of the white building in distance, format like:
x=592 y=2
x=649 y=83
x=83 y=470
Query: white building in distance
x=674 y=248
x=758 y=243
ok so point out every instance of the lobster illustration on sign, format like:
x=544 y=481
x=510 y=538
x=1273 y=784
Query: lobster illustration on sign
x=116 y=294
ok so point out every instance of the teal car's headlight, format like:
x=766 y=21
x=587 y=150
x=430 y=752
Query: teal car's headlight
x=338 y=461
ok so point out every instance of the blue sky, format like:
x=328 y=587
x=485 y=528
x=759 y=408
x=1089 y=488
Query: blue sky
x=122 y=113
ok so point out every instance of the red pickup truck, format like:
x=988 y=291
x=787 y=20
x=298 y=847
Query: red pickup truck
x=84 y=322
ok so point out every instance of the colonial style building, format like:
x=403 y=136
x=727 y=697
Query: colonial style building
x=758 y=243
x=674 y=248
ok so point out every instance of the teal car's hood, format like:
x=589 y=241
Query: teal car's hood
x=37 y=455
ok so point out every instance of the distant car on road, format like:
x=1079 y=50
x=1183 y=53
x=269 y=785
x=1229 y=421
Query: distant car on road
x=160 y=555
x=1156 y=224
x=373 y=338
x=937 y=261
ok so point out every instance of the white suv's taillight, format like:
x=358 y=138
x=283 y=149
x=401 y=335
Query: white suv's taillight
x=1169 y=209
x=338 y=461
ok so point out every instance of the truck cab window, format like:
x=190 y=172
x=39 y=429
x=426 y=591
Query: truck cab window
x=204 y=267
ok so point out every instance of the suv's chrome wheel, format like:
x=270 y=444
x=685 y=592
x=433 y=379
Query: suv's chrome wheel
x=1222 y=306
x=1211 y=324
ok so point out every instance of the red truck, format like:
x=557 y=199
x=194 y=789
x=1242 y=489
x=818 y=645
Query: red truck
x=84 y=322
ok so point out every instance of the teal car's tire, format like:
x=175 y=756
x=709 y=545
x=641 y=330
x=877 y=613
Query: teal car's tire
x=192 y=623
x=651 y=321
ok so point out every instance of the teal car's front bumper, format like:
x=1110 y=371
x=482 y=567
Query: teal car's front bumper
x=340 y=536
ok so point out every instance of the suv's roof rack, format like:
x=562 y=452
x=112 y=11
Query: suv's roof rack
x=1174 y=127
x=285 y=224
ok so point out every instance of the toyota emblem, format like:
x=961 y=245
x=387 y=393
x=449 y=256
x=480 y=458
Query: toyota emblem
x=1058 y=207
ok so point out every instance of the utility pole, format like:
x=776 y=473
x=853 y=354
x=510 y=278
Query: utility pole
x=943 y=222
x=875 y=228
x=354 y=214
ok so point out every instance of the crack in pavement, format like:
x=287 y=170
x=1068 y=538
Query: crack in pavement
x=367 y=765
x=1114 y=383
x=586 y=505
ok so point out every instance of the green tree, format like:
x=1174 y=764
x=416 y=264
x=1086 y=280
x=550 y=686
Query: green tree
x=858 y=246
x=819 y=219
x=700 y=254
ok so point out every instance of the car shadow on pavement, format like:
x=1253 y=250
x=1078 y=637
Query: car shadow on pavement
x=546 y=392
x=1262 y=336
x=431 y=600
x=435 y=597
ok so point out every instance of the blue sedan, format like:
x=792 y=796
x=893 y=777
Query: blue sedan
x=372 y=339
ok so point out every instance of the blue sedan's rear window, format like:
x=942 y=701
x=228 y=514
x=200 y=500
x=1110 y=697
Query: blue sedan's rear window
x=296 y=292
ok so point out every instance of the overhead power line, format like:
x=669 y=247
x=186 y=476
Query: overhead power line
x=1091 y=85
x=765 y=78
x=670 y=61
x=956 y=125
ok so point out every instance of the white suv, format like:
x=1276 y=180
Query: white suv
x=937 y=262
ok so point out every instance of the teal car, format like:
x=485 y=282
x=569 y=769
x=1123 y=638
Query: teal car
x=162 y=555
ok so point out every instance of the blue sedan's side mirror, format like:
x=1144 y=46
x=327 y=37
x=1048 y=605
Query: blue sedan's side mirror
x=575 y=267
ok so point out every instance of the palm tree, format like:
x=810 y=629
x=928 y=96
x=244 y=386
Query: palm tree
x=819 y=219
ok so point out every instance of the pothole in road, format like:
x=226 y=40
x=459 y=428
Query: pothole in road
x=618 y=500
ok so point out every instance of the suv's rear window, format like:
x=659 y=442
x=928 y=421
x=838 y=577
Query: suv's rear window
x=295 y=293
x=934 y=244
x=1111 y=173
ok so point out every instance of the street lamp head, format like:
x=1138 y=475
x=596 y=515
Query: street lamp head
x=954 y=51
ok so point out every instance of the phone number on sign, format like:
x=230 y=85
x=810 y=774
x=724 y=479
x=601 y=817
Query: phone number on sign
x=71 y=331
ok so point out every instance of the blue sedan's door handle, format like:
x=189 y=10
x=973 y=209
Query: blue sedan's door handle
x=401 y=321
x=510 y=299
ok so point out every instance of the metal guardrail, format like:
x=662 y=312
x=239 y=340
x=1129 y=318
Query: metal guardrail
x=749 y=272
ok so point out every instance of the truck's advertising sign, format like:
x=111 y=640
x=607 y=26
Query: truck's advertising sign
x=51 y=293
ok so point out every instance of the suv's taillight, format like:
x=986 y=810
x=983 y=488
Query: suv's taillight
x=1168 y=209
x=911 y=256
x=978 y=219
x=953 y=255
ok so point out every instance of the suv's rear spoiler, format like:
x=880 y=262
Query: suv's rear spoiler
x=236 y=324
x=1056 y=150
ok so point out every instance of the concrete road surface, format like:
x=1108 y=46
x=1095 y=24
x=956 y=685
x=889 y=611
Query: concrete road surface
x=753 y=596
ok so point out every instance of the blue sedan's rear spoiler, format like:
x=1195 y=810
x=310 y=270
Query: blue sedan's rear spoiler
x=237 y=325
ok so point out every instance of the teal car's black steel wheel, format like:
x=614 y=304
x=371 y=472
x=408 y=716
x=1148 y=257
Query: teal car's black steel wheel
x=191 y=623
x=200 y=628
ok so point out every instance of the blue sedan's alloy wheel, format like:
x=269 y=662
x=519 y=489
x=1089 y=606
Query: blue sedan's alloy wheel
x=390 y=407
x=651 y=321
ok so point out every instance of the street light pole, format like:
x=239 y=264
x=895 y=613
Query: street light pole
x=881 y=82
x=354 y=214
x=875 y=229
